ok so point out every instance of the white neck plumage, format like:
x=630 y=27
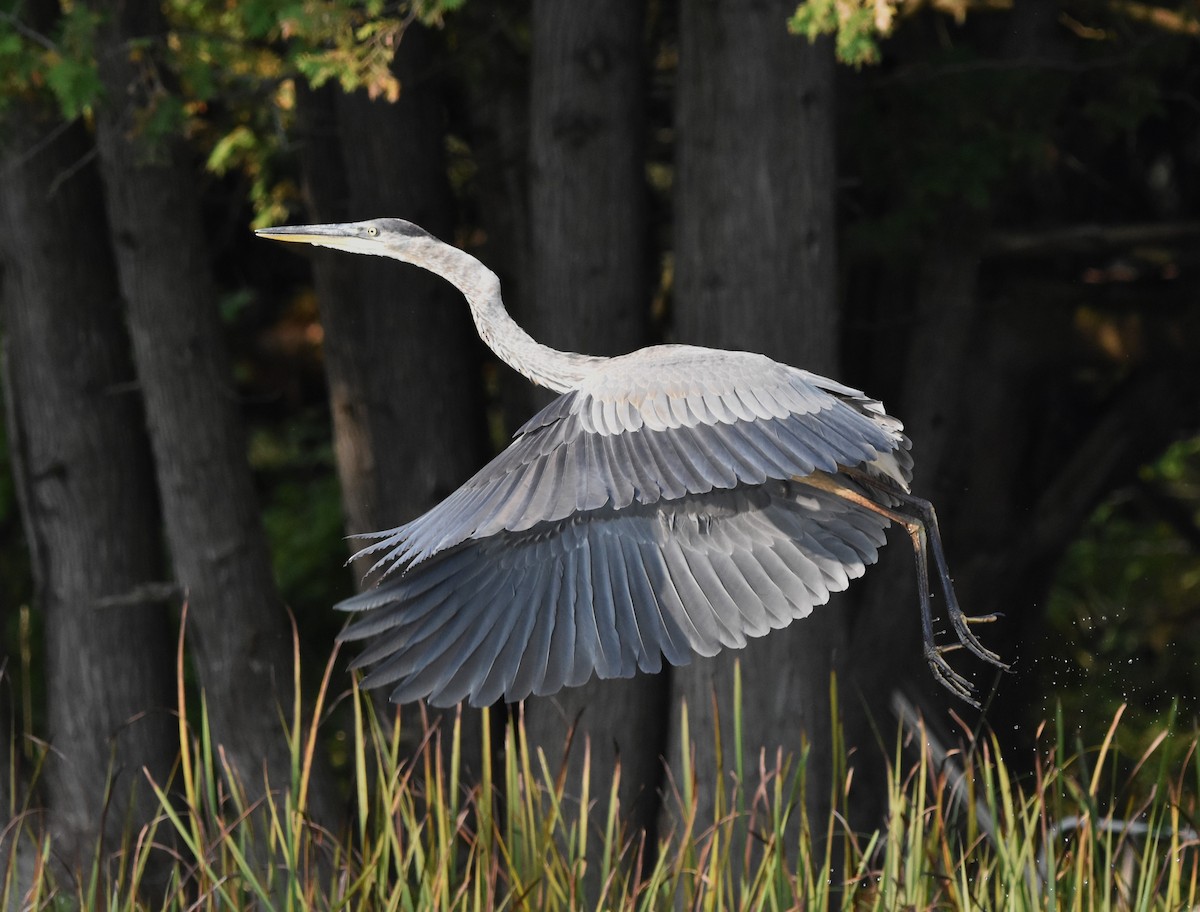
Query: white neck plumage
x=557 y=370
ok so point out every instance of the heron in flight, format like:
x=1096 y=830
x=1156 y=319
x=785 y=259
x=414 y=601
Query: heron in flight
x=670 y=502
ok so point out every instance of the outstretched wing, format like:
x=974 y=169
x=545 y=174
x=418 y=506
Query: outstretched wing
x=610 y=591
x=656 y=426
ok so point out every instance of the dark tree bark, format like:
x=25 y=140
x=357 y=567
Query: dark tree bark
x=87 y=488
x=588 y=252
x=238 y=629
x=755 y=269
x=588 y=233
x=400 y=349
x=494 y=75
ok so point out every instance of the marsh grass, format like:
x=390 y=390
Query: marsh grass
x=1086 y=830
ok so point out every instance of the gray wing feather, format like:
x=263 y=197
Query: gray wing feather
x=560 y=659
x=728 y=446
x=616 y=488
x=447 y=656
x=680 y=416
x=802 y=567
x=633 y=645
x=654 y=626
x=521 y=639
x=761 y=573
x=418 y=646
x=472 y=669
x=703 y=599
x=658 y=414
x=718 y=408
x=584 y=452
x=677 y=588
x=588 y=654
x=618 y=637
x=611 y=591
x=650 y=483
x=421 y=594
x=749 y=604
x=551 y=497
x=674 y=474
x=531 y=671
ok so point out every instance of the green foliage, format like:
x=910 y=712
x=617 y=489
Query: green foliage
x=302 y=514
x=62 y=63
x=1122 y=613
x=956 y=121
x=223 y=75
x=856 y=26
x=961 y=831
x=71 y=72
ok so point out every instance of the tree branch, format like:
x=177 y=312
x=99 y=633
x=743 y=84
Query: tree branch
x=1088 y=238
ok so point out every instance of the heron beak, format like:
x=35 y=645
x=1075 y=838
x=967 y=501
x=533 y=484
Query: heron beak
x=321 y=235
x=348 y=236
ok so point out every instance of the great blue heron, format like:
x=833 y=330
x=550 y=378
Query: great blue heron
x=669 y=502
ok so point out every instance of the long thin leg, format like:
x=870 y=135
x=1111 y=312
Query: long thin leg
x=916 y=528
x=935 y=654
x=958 y=617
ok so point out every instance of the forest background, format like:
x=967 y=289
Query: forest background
x=985 y=215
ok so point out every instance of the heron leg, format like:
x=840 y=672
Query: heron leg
x=958 y=618
x=934 y=653
x=917 y=533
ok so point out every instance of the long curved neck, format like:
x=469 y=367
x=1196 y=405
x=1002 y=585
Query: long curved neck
x=558 y=370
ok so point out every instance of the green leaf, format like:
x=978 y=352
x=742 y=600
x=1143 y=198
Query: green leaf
x=856 y=26
x=231 y=149
x=75 y=83
x=10 y=44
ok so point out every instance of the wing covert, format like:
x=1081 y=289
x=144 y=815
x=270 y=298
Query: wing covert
x=649 y=428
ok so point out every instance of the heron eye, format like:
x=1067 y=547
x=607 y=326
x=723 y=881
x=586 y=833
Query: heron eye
x=372 y=231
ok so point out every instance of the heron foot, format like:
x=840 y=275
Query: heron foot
x=967 y=637
x=947 y=676
x=919 y=519
x=983 y=618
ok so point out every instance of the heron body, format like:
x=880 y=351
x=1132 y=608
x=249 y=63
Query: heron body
x=670 y=502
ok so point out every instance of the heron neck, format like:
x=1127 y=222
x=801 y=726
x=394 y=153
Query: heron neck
x=557 y=370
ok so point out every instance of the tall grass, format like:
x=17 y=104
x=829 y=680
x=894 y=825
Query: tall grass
x=1087 y=830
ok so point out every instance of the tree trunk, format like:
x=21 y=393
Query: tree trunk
x=494 y=75
x=589 y=293
x=87 y=492
x=400 y=349
x=238 y=629
x=589 y=237
x=755 y=269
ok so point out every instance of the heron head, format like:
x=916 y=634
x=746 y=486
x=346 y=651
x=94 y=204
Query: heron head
x=382 y=237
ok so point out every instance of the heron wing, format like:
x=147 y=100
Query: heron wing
x=655 y=426
x=610 y=591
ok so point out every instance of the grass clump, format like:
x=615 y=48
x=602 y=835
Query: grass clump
x=1087 y=829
